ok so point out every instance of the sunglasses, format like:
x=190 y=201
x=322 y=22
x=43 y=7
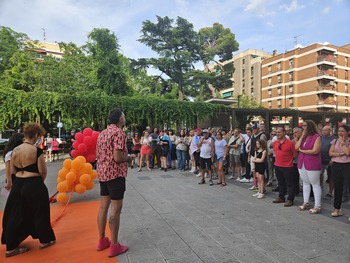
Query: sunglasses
x=280 y=146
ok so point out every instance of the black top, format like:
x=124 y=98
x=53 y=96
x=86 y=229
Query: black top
x=33 y=168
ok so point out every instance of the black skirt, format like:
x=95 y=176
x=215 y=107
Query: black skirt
x=27 y=213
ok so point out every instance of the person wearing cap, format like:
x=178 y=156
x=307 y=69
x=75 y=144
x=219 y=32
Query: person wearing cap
x=234 y=148
x=195 y=149
x=112 y=169
x=207 y=152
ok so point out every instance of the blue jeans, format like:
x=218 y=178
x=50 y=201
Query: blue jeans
x=181 y=159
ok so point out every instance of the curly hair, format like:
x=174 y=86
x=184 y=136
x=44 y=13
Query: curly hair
x=311 y=127
x=31 y=129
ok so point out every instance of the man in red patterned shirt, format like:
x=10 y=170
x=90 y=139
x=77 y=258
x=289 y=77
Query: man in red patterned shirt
x=112 y=169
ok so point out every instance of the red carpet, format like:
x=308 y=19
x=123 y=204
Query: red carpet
x=76 y=234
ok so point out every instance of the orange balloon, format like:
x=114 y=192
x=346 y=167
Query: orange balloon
x=67 y=163
x=87 y=168
x=62 y=173
x=80 y=189
x=90 y=185
x=62 y=186
x=85 y=179
x=62 y=198
x=93 y=174
x=71 y=187
x=77 y=164
x=59 y=179
x=81 y=158
x=70 y=177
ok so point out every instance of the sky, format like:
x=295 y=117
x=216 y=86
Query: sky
x=266 y=25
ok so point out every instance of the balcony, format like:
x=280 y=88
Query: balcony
x=326 y=74
x=330 y=89
x=329 y=60
x=326 y=105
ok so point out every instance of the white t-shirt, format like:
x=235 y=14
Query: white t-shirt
x=206 y=148
x=8 y=156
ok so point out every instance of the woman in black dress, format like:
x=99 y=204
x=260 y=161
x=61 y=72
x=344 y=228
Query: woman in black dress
x=260 y=167
x=27 y=211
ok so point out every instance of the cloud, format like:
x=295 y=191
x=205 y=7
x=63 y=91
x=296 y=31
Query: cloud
x=258 y=7
x=270 y=24
x=326 y=10
x=294 y=6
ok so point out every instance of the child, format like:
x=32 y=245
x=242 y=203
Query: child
x=55 y=148
x=259 y=160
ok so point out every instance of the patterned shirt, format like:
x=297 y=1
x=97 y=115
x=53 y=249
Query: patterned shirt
x=110 y=139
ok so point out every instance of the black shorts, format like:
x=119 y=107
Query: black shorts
x=115 y=189
x=206 y=163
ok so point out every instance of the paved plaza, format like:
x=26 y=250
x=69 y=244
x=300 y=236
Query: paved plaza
x=168 y=217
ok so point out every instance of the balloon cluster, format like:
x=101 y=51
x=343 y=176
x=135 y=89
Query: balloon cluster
x=76 y=175
x=85 y=144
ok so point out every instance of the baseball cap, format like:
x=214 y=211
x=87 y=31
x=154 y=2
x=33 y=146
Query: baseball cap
x=205 y=131
x=198 y=129
x=256 y=126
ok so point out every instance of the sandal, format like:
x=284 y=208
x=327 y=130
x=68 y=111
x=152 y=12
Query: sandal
x=223 y=184
x=42 y=246
x=315 y=210
x=303 y=207
x=218 y=183
x=17 y=251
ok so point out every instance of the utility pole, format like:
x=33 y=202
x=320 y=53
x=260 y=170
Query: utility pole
x=44 y=33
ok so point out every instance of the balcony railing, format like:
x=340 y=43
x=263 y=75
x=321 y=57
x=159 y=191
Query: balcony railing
x=328 y=59
x=325 y=73
x=325 y=88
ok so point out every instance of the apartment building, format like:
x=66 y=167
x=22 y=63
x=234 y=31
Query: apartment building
x=45 y=48
x=247 y=74
x=312 y=78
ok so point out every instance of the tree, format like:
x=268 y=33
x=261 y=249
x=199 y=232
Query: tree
x=177 y=46
x=111 y=67
x=180 y=47
x=10 y=43
x=218 y=44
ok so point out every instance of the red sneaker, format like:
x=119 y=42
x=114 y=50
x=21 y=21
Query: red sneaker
x=117 y=249
x=103 y=243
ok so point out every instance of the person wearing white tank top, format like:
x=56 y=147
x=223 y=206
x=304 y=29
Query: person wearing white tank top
x=207 y=152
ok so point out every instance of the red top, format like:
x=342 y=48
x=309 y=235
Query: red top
x=110 y=139
x=284 y=153
x=55 y=145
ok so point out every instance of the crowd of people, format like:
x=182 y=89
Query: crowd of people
x=290 y=160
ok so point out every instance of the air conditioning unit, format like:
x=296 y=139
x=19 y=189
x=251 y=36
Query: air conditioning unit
x=331 y=82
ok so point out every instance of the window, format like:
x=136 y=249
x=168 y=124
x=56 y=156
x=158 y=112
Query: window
x=291 y=76
x=279 y=78
x=243 y=63
x=346 y=61
x=252 y=71
x=346 y=101
x=243 y=83
x=269 y=69
x=291 y=63
x=346 y=88
x=291 y=89
x=279 y=103
x=291 y=102
x=252 y=91
x=279 y=66
x=252 y=82
x=243 y=73
x=270 y=81
x=346 y=74
x=270 y=104
x=270 y=93
x=279 y=91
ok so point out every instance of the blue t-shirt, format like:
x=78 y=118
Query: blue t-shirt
x=325 y=146
x=220 y=148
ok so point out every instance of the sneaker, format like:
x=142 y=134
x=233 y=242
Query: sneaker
x=231 y=177
x=256 y=189
x=206 y=175
x=252 y=188
x=198 y=175
x=202 y=181
x=103 y=243
x=196 y=171
x=256 y=194
x=244 y=180
x=251 y=180
x=260 y=196
x=117 y=249
x=238 y=179
x=211 y=182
